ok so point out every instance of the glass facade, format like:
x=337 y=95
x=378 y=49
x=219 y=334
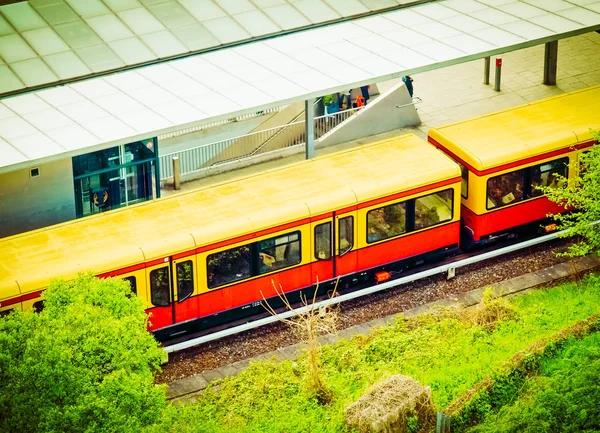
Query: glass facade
x=115 y=177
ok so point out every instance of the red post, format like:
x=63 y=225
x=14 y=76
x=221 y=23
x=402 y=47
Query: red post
x=498 y=73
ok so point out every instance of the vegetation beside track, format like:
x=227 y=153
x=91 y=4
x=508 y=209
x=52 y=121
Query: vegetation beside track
x=450 y=351
x=85 y=363
x=563 y=397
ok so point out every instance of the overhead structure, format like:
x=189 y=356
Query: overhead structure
x=137 y=104
x=49 y=41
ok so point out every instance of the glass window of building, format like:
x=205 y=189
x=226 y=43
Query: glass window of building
x=115 y=177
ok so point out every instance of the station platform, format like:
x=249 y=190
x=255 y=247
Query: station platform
x=457 y=93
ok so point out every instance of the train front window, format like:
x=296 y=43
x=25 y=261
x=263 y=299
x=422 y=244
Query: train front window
x=346 y=234
x=549 y=174
x=185 y=280
x=132 y=284
x=433 y=209
x=386 y=222
x=228 y=266
x=505 y=189
x=279 y=252
x=323 y=241
x=159 y=287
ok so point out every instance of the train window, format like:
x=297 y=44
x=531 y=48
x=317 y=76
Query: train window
x=385 y=222
x=228 y=266
x=548 y=174
x=132 y=283
x=505 y=189
x=6 y=312
x=323 y=241
x=159 y=287
x=279 y=252
x=464 y=185
x=185 y=280
x=433 y=209
x=38 y=306
x=346 y=234
x=584 y=162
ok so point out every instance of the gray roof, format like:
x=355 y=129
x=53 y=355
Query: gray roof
x=48 y=41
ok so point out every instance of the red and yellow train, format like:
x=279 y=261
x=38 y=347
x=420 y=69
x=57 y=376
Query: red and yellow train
x=209 y=256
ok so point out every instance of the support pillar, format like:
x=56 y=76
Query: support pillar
x=498 y=77
x=157 y=160
x=550 y=59
x=176 y=174
x=309 y=109
x=486 y=70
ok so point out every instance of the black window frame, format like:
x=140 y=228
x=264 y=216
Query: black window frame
x=329 y=252
x=527 y=193
x=523 y=193
x=414 y=228
x=464 y=180
x=190 y=288
x=132 y=283
x=153 y=290
x=382 y=208
x=410 y=215
x=351 y=243
x=253 y=250
x=261 y=250
x=210 y=268
x=531 y=190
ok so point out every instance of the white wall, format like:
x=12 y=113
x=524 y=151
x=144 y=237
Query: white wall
x=29 y=203
x=391 y=110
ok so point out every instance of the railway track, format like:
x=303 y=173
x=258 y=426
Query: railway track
x=191 y=356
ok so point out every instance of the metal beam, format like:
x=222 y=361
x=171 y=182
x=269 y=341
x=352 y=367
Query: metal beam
x=550 y=60
x=309 y=119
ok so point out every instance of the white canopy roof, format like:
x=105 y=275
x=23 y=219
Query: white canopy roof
x=154 y=100
x=46 y=41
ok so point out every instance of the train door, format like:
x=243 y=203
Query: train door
x=322 y=251
x=185 y=306
x=345 y=245
x=159 y=280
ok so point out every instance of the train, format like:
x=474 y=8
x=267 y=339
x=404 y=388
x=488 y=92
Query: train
x=211 y=257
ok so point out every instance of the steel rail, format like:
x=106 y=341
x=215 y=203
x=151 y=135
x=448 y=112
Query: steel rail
x=366 y=291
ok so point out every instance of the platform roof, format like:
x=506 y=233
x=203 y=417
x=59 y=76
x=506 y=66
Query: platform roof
x=154 y=100
x=48 y=41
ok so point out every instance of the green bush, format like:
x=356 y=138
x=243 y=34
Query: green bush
x=563 y=398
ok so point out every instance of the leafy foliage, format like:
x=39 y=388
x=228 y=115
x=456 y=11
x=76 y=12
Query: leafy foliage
x=583 y=194
x=445 y=351
x=85 y=363
x=564 y=398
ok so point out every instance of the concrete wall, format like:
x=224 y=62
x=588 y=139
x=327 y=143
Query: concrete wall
x=29 y=203
x=391 y=110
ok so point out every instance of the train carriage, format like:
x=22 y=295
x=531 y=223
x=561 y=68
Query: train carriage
x=209 y=256
x=505 y=156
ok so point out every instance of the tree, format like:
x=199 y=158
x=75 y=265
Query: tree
x=85 y=363
x=582 y=194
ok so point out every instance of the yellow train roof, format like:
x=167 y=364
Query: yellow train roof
x=152 y=230
x=528 y=130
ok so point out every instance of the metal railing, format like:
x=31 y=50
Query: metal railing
x=248 y=145
x=221 y=122
x=448 y=267
x=207 y=155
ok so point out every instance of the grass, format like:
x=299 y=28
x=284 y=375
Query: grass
x=563 y=397
x=449 y=352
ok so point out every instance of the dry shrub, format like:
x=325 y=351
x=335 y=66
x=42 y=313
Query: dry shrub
x=397 y=405
x=310 y=322
x=490 y=311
